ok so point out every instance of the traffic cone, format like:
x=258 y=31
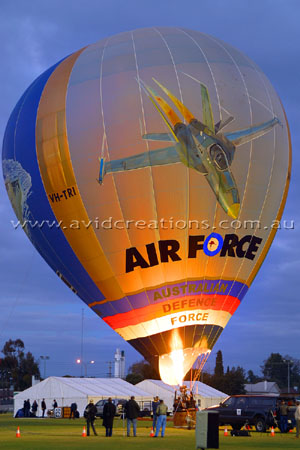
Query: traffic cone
x=272 y=432
x=18 y=434
x=83 y=432
x=225 y=432
x=151 y=432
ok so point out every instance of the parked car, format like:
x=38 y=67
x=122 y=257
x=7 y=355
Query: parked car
x=118 y=402
x=260 y=411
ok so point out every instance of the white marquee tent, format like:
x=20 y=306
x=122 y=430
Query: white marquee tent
x=79 y=390
x=203 y=394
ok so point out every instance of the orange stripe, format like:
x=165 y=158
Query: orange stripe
x=150 y=312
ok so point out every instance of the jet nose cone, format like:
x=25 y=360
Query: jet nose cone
x=233 y=210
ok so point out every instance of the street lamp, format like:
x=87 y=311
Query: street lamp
x=45 y=358
x=78 y=361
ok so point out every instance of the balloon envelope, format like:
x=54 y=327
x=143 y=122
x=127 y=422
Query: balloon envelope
x=147 y=169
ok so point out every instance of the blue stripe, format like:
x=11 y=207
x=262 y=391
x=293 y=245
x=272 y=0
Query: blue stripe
x=20 y=144
x=189 y=289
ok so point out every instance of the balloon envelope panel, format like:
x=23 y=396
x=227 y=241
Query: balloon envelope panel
x=164 y=155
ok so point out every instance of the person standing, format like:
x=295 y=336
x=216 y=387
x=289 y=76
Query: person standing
x=132 y=410
x=161 y=412
x=283 y=416
x=109 y=412
x=155 y=404
x=34 y=408
x=90 y=416
x=27 y=408
x=297 y=418
x=54 y=404
x=73 y=410
x=44 y=407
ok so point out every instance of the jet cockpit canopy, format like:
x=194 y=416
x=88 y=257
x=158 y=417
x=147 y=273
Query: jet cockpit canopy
x=219 y=157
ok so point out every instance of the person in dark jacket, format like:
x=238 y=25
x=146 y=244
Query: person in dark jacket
x=132 y=410
x=90 y=416
x=44 y=407
x=34 y=408
x=155 y=404
x=27 y=408
x=109 y=412
x=73 y=410
x=54 y=404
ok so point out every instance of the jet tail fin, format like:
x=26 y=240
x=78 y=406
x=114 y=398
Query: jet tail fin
x=223 y=123
x=208 y=118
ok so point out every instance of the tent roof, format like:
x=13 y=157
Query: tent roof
x=199 y=388
x=207 y=391
x=81 y=387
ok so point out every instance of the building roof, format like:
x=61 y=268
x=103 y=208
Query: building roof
x=262 y=387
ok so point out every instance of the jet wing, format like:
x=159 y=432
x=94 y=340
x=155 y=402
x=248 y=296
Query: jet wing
x=165 y=137
x=152 y=158
x=242 y=136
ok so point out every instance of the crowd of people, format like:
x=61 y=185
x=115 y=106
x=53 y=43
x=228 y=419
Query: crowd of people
x=288 y=411
x=184 y=402
x=131 y=413
x=29 y=410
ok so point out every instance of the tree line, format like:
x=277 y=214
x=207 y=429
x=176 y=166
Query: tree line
x=17 y=368
x=276 y=368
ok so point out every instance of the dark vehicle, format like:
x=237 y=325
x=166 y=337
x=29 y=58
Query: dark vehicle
x=261 y=411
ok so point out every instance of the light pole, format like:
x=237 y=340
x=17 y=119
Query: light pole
x=288 y=364
x=45 y=358
x=79 y=361
x=109 y=369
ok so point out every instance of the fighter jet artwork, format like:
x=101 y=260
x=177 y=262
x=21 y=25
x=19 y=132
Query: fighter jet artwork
x=201 y=146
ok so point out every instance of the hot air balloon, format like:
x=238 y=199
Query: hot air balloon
x=148 y=169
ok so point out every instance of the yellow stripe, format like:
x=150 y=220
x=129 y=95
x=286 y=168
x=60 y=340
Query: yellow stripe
x=58 y=176
x=161 y=324
x=280 y=211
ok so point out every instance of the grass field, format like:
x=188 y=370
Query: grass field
x=63 y=434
